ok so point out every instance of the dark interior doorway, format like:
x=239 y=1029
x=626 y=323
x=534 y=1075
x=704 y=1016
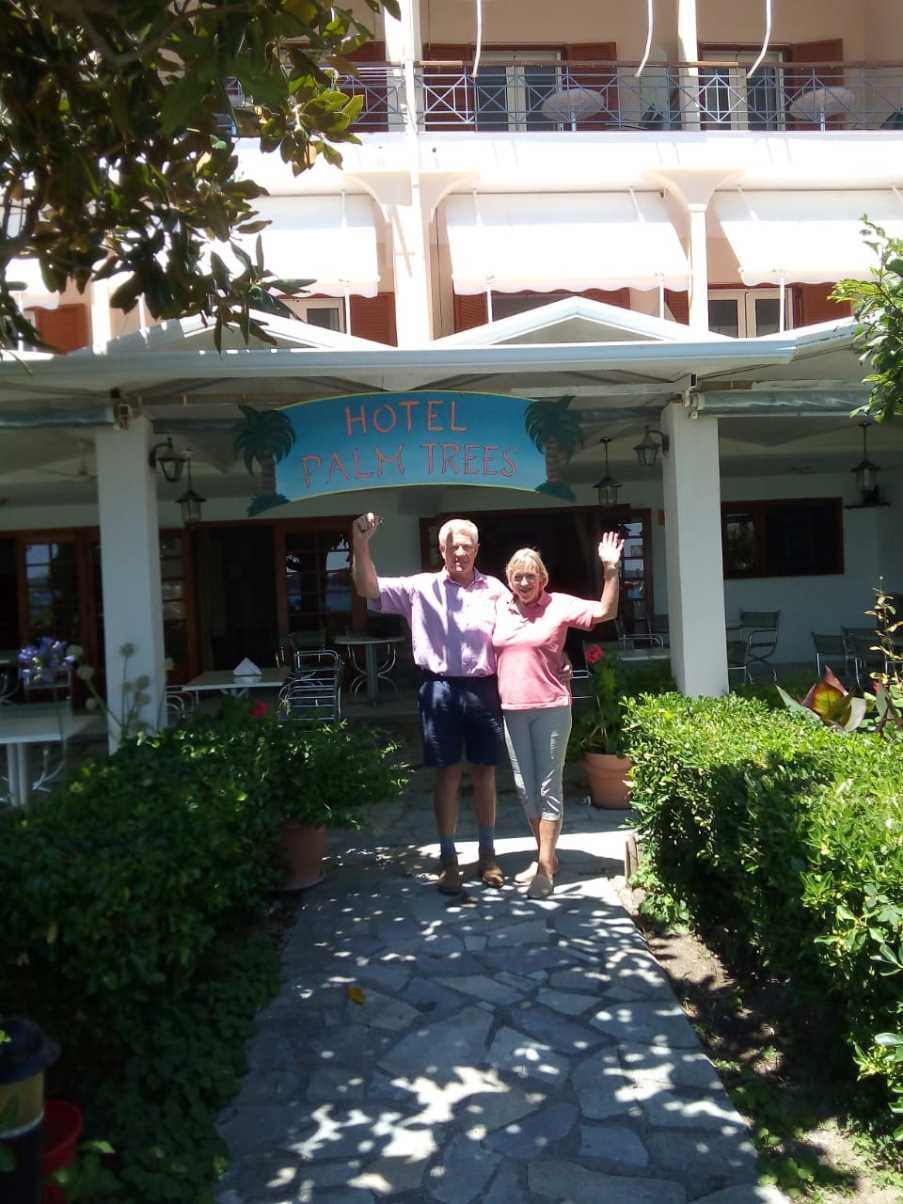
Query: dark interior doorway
x=236 y=595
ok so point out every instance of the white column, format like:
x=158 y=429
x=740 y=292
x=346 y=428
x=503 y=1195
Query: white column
x=699 y=269
x=130 y=568
x=688 y=51
x=101 y=323
x=692 y=493
x=404 y=39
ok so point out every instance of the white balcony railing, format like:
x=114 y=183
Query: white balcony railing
x=521 y=97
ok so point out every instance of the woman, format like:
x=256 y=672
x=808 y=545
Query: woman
x=530 y=630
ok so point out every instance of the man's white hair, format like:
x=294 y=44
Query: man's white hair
x=458 y=524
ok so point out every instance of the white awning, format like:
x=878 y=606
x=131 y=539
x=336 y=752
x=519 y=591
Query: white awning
x=35 y=293
x=805 y=237
x=563 y=241
x=328 y=239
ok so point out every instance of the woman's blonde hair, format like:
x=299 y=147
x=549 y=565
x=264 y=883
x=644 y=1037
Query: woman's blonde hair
x=525 y=557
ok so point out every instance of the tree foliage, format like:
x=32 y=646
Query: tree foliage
x=116 y=154
x=878 y=307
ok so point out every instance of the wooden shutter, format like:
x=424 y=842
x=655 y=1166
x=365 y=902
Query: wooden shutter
x=678 y=301
x=591 y=74
x=374 y=318
x=470 y=311
x=829 y=50
x=814 y=304
x=448 y=98
x=65 y=328
x=375 y=113
x=618 y=296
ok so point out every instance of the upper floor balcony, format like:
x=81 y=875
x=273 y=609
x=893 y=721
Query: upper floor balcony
x=521 y=94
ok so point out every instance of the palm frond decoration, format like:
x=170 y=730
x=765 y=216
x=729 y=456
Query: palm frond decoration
x=556 y=432
x=265 y=436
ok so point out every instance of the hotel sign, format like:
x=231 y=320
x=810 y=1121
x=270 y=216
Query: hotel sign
x=431 y=437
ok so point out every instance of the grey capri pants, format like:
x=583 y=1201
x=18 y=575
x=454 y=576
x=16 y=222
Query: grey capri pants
x=537 y=740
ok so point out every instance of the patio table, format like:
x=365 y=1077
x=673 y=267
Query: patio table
x=22 y=726
x=371 y=672
x=224 y=681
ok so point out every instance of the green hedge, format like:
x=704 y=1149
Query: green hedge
x=787 y=838
x=134 y=925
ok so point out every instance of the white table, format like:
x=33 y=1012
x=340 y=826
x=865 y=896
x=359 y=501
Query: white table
x=818 y=104
x=22 y=726
x=371 y=672
x=224 y=681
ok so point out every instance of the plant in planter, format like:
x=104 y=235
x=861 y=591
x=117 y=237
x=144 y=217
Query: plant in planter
x=309 y=778
x=598 y=735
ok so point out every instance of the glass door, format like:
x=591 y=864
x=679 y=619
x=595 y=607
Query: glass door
x=318 y=593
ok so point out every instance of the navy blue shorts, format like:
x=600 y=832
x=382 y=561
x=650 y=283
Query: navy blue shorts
x=460 y=719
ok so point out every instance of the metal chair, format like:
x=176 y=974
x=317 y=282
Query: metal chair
x=299 y=641
x=660 y=626
x=178 y=705
x=829 y=646
x=636 y=639
x=860 y=646
x=9 y=686
x=313 y=693
x=755 y=644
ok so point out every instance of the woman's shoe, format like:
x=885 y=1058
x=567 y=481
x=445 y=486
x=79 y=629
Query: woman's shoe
x=541 y=887
x=527 y=875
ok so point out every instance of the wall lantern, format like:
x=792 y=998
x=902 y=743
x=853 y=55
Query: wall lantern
x=866 y=474
x=170 y=462
x=607 y=487
x=647 y=449
x=190 y=502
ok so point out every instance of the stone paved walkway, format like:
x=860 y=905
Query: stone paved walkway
x=497 y=1050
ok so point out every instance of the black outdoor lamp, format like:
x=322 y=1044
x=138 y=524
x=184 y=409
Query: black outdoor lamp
x=607 y=487
x=170 y=462
x=647 y=449
x=190 y=502
x=866 y=474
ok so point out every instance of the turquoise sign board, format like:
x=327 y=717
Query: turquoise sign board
x=389 y=440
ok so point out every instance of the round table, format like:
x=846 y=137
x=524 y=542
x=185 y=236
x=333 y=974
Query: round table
x=370 y=672
x=818 y=104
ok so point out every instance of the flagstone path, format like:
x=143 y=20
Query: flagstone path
x=495 y=1049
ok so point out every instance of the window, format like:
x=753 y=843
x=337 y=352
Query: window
x=323 y=312
x=786 y=538
x=511 y=86
x=743 y=313
x=732 y=101
x=318 y=579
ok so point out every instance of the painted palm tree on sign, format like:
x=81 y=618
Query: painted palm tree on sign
x=556 y=432
x=265 y=436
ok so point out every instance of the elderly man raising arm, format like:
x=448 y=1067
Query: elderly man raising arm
x=451 y=615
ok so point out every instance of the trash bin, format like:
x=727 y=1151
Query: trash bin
x=23 y=1059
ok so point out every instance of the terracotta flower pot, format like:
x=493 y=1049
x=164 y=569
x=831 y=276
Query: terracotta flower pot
x=606 y=775
x=305 y=848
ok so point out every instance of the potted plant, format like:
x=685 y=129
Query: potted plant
x=309 y=778
x=599 y=734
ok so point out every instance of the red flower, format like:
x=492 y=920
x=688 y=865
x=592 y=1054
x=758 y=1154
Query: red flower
x=259 y=710
x=593 y=653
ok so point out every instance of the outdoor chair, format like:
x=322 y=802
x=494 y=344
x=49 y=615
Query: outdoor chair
x=752 y=642
x=178 y=705
x=299 y=641
x=660 y=626
x=643 y=636
x=313 y=692
x=830 y=651
x=860 y=644
x=9 y=686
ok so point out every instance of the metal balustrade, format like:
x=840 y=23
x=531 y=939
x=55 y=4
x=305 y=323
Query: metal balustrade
x=563 y=97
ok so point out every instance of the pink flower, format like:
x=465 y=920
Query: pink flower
x=593 y=653
x=259 y=710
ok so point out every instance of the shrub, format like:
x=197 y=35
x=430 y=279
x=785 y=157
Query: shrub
x=136 y=938
x=599 y=725
x=788 y=837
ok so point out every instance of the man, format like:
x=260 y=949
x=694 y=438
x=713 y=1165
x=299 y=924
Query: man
x=451 y=615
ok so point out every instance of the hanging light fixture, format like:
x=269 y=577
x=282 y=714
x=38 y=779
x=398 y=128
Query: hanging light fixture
x=607 y=487
x=647 y=449
x=190 y=502
x=866 y=474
